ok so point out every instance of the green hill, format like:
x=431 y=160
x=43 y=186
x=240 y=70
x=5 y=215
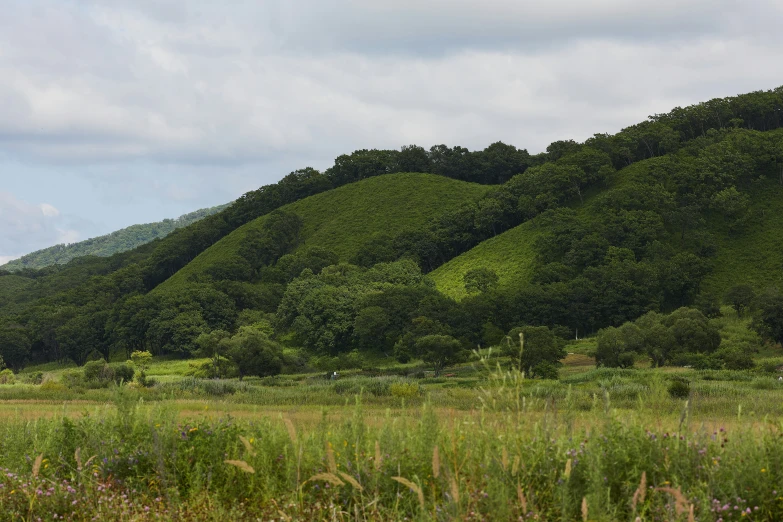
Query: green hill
x=749 y=254
x=510 y=255
x=342 y=219
x=13 y=283
x=755 y=255
x=107 y=245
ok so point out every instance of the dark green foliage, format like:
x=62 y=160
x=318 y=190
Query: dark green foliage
x=254 y=353
x=615 y=347
x=440 y=350
x=546 y=370
x=679 y=388
x=768 y=319
x=740 y=297
x=541 y=346
x=14 y=348
x=735 y=359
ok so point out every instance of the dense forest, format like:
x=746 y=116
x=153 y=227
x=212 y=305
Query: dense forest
x=109 y=244
x=624 y=230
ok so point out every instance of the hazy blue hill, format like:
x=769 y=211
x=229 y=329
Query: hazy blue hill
x=109 y=244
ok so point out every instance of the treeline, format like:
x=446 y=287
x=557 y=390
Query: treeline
x=641 y=246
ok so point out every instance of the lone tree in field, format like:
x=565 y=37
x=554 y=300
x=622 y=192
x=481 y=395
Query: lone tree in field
x=740 y=297
x=542 y=350
x=480 y=280
x=254 y=353
x=440 y=351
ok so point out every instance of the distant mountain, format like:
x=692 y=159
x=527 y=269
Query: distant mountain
x=113 y=243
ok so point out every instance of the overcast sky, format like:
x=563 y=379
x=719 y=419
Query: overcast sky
x=116 y=112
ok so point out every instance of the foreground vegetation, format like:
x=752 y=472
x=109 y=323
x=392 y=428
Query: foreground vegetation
x=600 y=445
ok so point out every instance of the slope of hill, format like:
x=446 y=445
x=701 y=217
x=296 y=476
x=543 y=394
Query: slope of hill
x=743 y=254
x=752 y=255
x=342 y=219
x=510 y=255
x=13 y=283
x=104 y=246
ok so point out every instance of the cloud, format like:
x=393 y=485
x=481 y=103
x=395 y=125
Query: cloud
x=25 y=226
x=164 y=106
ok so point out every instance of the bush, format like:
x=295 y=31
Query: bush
x=736 y=359
x=405 y=390
x=546 y=370
x=32 y=378
x=7 y=377
x=768 y=367
x=222 y=368
x=73 y=380
x=98 y=372
x=679 y=388
x=53 y=386
x=123 y=372
x=698 y=361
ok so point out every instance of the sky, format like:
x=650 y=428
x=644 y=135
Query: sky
x=117 y=112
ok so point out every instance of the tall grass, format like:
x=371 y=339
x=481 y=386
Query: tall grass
x=525 y=453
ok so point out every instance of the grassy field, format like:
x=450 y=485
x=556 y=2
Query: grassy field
x=478 y=443
x=343 y=218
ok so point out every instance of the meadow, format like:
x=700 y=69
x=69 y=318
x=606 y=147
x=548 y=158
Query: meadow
x=477 y=443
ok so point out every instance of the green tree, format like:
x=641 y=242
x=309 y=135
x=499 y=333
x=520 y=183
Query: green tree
x=768 y=318
x=538 y=345
x=254 y=353
x=740 y=297
x=440 y=351
x=369 y=328
x=612 y=350
x=14 y=348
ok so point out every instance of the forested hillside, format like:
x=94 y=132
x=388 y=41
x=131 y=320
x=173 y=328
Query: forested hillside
x=109 y=244
x=674 y=211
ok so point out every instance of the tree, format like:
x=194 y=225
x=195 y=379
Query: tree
x=612 y=350
x=768 y=319
x=79 y=338
x=537 y=345
x=214 y=345
x=254 y=353
x=369 y=328
x=480 y=280
x=14 y=348
x=440 y=351
x=740 y=297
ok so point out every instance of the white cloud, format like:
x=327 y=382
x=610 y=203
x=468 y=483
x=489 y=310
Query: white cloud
x=25 y=227
x=48 y=210
x=162 y=103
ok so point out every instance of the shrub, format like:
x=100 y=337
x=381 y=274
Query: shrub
x=53 y=386
x=123 y=372
x=546 y=370
x=736 y=359
x=97 y=371
x=32 y=378
x=73 y=379
x=698 y=361
x=7 y=377
x=768 y=367
x=679 y=388
x=405 y=390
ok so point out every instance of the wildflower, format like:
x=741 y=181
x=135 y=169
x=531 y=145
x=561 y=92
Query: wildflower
x=763 y=470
